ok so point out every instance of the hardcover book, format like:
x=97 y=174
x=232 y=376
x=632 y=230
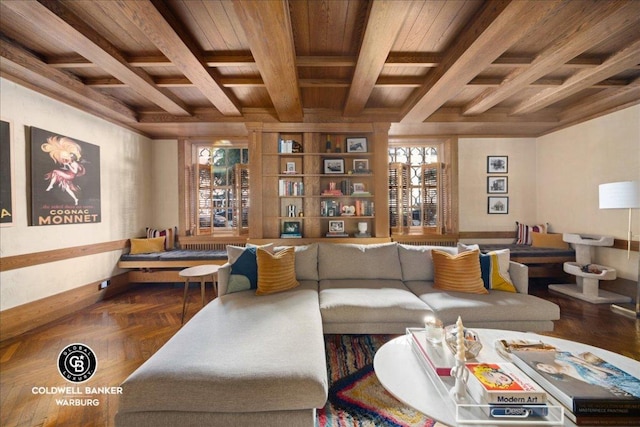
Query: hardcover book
x=585 y=384
x=502 y=383
x=435 y=357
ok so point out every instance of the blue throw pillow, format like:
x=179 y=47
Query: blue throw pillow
x=244 y=272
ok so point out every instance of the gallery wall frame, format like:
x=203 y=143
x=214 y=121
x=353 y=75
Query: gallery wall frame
x=498 y=205
x=497 y=184
x=497 y=164
x=7 y=182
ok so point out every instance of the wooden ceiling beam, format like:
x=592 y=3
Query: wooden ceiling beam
x=384 y=22
x=618 y=62
x=601 y=101
x=165 y=33
x=21 y=65
x=60 y=23
x=597 y=22
x=496 y=27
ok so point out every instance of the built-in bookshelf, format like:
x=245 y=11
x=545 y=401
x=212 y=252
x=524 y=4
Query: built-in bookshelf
x=323 y=178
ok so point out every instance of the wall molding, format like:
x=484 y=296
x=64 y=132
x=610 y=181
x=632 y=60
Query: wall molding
x=44 y=257
x=18 y=320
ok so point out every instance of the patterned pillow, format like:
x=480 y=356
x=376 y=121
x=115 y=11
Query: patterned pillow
x=523 y=232
x=494 y=266
x=244 y=267
x=460 y=273
x=276 y=272
x=169 y=235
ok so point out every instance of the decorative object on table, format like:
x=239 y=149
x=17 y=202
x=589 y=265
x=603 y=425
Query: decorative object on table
x=357 y=145
x=356 y=396
x=459 y=372
x=588 y=274
x=471 y=341
x=497 y=164
x=434 y=329
x=592 y=390
x=623 y=195
x=433 y=357
x=362 y=230
x=502 y=383
x=333 y=166
x=497 y=205
x=361 y=166
x=497 y=184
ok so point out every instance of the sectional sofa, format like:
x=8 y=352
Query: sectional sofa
x=248 y=359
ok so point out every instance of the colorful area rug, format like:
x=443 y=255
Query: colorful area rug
x=356 y=397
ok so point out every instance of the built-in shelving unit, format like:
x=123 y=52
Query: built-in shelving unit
x=319 y=180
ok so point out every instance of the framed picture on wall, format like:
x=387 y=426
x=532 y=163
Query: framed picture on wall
x=498 y=205
x=6 y=175
x=497 y=184
x=497 y=164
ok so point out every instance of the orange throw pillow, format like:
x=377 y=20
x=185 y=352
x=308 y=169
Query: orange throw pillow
x=276 y=272
x=544 y=240
x=459 y=273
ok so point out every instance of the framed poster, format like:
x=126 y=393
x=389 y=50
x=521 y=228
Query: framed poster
x=333 y=166
x=357 y=145
x=497 y=185
x=498 y=205
x=6 y=174
x=65 y=180
x=497 y=164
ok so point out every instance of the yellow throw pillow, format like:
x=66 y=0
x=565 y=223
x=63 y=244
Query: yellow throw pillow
x=146 y=246
x=460 y=273
x=545 y=240
x=276 y=272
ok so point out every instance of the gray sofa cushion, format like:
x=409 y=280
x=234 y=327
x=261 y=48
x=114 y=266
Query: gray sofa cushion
x=357 y=301
x=416 y=261
x=306 y=261
x=497 y=306
x=231 y=356
x=351 y=261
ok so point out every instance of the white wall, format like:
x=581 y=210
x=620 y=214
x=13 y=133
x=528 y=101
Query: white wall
x=521 y=173
x=571 y=163
x=125 y=159
x=165 y=183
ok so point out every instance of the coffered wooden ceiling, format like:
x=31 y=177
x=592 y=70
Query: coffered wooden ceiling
x=198 y=68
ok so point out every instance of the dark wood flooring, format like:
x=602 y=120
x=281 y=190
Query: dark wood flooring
x=127 y=329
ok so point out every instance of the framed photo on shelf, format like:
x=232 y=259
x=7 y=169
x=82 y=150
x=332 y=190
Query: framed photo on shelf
x=497 y=164
x=336 y=226
x=358 y=187
x=291 y=227
x=497 y=205
x=357 y=145
x=291 y=167
x=333 y=166
x=497 y=185
x=361 y=166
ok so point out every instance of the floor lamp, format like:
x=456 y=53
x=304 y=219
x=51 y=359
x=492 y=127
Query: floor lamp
x=624 y=195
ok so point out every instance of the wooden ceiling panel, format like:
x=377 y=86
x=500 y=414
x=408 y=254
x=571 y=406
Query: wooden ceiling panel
x=173 y=68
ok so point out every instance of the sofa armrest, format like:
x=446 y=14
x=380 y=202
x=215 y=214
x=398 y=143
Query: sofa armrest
x=223 y=278
x=520 y=276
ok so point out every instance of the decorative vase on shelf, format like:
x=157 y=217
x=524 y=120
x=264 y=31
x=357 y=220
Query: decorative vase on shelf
x=362 y=227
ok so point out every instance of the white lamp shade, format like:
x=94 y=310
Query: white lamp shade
x=620 y=195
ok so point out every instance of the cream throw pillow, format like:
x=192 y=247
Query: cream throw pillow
x=147 y=246
x=460 y=273
x=276 y=272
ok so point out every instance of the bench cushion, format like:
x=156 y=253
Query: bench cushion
x=234 y=357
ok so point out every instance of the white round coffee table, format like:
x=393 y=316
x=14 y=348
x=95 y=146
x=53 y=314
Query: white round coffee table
x=401 y=374
x=198 y=272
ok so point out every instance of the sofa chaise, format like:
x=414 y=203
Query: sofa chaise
x=248 y=359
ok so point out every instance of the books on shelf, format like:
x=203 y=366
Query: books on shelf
x=502 y=383
x=431 y=356
x=592 y=390
x=290 y=188
x=336 y=234
x=290 y=236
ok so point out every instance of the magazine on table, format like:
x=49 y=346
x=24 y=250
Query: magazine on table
x=431 y=356
x=585 y=384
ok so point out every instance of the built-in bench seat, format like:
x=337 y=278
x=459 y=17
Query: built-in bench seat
x=542 y=262
x=165 y=266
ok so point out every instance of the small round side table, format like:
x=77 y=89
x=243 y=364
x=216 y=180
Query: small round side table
x=201 y=272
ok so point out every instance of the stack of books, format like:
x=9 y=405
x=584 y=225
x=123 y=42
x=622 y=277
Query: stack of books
x=593 y=391
x=434 y=357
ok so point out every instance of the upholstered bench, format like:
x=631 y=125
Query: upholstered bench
x=164 y=266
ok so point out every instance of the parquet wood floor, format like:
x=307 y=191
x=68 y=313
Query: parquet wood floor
x=127 y=329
